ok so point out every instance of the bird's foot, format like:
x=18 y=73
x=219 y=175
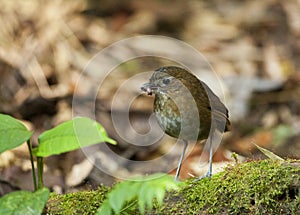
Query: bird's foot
x=207 y=175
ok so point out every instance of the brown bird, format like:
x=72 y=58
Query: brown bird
x=186 y=108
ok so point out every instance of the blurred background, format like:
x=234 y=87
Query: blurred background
x=253 y=46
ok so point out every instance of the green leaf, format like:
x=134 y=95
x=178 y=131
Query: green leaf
x=105 y=209
x=140 y=190
x=24 y=202
x=117 y=201
x=141 y=204
x=71 y=135
x=160 y=194
x=146 y=196
x=154 y=187
x=122 y=193
x=12 y=133
x=269 y=154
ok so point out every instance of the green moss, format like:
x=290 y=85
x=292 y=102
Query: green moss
x=84 y=202
x=256 y=187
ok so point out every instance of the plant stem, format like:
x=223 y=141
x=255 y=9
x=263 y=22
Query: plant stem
x=40 y=167
x=32 y=164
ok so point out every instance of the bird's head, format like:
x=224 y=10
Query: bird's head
x=165 y=80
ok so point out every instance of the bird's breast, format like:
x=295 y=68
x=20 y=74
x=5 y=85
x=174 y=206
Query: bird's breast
x=167 y=115
x=180 y=118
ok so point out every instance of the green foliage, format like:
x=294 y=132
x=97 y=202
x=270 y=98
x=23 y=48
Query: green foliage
x=24 y=202
x=68 y=136
x=71 y=135
x=12 y=133
x=141 y=191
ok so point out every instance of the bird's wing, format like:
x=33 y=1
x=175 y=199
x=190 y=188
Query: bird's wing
x=219 y=111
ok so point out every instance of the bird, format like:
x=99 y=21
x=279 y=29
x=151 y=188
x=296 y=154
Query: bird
x=186 y=108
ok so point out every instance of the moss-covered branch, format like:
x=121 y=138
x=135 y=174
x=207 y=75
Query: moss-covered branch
x=256 y=187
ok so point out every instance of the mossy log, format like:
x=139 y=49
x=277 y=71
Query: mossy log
x=254 y=187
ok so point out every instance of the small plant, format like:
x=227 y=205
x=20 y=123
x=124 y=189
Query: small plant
x=74 y=134
x=141 y=191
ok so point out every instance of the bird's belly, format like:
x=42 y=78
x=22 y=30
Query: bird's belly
x=184 y=125
x=169 y=122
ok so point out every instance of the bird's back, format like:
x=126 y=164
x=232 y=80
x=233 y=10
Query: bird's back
x=207 y=102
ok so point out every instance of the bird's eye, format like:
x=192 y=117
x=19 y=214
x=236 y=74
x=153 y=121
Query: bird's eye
x=166 y=81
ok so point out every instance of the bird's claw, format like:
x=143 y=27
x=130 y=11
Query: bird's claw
x=207 y=175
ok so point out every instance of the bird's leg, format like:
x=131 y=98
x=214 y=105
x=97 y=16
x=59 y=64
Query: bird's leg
x=208 y=174
x=180 y=160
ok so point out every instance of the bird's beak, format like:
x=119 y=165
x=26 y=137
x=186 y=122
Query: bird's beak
x=148 y=88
